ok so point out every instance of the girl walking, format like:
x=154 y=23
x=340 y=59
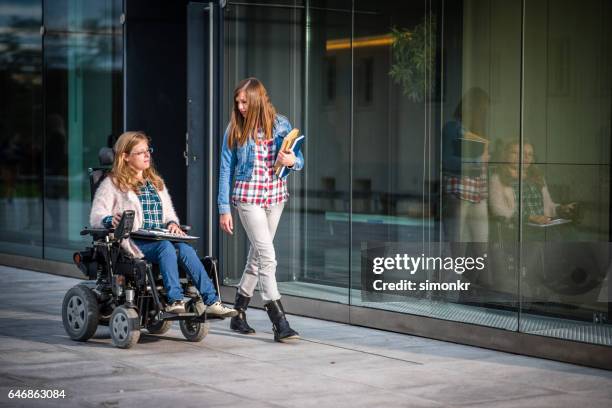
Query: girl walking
x=251 y=147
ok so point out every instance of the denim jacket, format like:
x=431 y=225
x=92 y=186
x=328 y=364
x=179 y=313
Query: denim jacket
x=239 y=160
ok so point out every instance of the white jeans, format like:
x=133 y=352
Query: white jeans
x=260 y=226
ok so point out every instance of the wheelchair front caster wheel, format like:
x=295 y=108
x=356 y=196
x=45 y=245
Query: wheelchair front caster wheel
x=194 y=331
x=80 y=313
x=159 y=327
x=124 y=328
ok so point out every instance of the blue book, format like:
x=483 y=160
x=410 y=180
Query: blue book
x=295 y=145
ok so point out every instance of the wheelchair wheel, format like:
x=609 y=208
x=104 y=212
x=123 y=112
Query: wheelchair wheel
x=80 y=313
x=193 y=330
x=160 y=327
x=124 y=328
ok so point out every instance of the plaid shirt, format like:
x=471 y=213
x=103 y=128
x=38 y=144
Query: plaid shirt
x=152 y=214
x=264 y=188
x=470 y=188
x=533 y=202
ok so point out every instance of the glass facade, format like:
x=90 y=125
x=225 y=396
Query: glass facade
x=451 y=128
x=21 y=128
x=565 y=170
x=63 y=102
x=457 y=128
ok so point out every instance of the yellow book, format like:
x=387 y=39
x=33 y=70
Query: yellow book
x=287 y=143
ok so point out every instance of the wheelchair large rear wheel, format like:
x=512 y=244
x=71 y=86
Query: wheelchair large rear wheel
x=124 y=328
x=80 y=313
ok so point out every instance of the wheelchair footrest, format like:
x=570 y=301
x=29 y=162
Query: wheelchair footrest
x=177 y=316
x=214 y=318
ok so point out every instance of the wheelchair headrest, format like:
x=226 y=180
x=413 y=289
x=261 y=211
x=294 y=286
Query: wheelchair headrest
x=106 y=156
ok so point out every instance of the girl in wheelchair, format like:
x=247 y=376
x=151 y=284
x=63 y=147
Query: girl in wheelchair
x=133 y=184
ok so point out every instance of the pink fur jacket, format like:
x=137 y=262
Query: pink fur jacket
x=110 y=200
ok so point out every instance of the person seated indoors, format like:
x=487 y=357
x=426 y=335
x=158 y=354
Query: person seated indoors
x=538 y=206
x=133 y=184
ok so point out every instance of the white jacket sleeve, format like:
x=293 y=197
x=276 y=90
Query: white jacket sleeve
x=103 y=203
x=168 y=209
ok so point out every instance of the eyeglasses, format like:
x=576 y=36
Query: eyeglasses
x=140 y=153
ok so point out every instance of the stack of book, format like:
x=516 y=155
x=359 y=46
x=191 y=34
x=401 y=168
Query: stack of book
x=292 y=142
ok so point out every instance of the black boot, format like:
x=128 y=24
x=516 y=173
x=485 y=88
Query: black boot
x=239 y=323
x=280 y=325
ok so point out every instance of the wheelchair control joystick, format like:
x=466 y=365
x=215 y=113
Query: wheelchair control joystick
x=125 y=225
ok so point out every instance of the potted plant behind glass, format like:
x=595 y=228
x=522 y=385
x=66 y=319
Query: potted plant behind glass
x=413 y=59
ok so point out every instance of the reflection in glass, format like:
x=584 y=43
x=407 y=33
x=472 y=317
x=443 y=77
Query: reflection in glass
x=565 y=185
x=268 y=42
x=83 y=94
x=465 y=154
x=78 y=16
x=524 y=179
x=417 y=133
x=327 y=181
x=20 y=128
x=391 y=196
x=444 y=97
x=263 y=42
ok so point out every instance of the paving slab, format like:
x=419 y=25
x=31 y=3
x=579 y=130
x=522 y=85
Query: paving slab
x=334 y=365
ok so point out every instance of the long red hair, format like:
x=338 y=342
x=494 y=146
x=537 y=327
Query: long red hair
x=122 y=175
x=260 y=113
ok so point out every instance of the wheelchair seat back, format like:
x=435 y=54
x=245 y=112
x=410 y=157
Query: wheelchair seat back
x=98 y=174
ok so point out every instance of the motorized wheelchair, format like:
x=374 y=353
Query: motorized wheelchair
x=124 y=293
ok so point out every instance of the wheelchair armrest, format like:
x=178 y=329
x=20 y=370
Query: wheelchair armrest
x=97 y=233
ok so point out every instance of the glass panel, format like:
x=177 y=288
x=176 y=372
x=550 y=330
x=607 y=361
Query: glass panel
x=265 y=42
x=83 y=98
x=489 y=119
x=78 y=15
x=327 y=191
x=565 y=205
x=437 y=93
x=21 y=134
x=390 y=129
x=291 y=50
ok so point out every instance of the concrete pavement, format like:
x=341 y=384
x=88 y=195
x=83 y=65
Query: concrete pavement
x=335 y=365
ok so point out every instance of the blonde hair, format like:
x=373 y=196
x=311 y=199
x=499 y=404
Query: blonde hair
x=122 y=174
x=260 y=112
